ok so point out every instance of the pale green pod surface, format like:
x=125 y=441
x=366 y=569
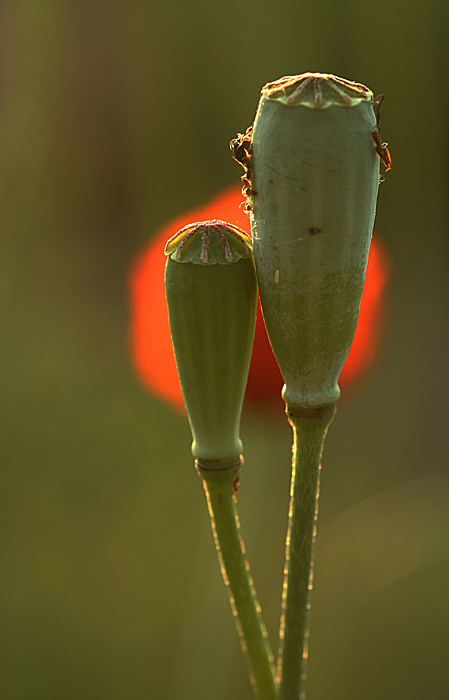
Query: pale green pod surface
x=211 y=293
x=315 y=177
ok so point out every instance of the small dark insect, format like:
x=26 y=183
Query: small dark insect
x=382 y=150
x=246 y=185
x=313 y=231
x=241 y=152
x=376 y=105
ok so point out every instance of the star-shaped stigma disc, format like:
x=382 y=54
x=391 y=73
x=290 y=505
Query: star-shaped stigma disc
x=209 y=243
x=317 y=91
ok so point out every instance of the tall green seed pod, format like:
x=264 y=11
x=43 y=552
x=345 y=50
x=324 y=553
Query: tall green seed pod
x=211 y=294
x=313 y=155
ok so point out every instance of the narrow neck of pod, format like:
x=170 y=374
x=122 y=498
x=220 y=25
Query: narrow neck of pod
x=310 y=425
x=297 y=414
x=220 y=471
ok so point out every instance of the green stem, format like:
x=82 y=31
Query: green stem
x=221 y=486
x=309 y=430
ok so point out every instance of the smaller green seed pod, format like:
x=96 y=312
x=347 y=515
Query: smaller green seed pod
x=211 y=291
x=313 y=158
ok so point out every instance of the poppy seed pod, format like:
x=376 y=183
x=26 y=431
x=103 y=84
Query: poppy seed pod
x=312 y=174
x=211 y=291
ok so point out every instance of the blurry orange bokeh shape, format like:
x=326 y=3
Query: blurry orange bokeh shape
x=151 y=345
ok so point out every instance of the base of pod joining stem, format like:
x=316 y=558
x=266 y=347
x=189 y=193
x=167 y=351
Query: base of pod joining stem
x=220 y=471
x=295 y=412
x=218 y=465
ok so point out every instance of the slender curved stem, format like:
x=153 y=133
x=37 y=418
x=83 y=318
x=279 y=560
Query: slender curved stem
x=309 y=431
x=221 y=490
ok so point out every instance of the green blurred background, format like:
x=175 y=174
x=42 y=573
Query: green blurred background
x=114 y=118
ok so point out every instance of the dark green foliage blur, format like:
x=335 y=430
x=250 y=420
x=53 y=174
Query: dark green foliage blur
x=114 y=118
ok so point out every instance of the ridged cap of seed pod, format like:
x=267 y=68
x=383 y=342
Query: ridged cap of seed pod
x=211 y=294
x=209 y=243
